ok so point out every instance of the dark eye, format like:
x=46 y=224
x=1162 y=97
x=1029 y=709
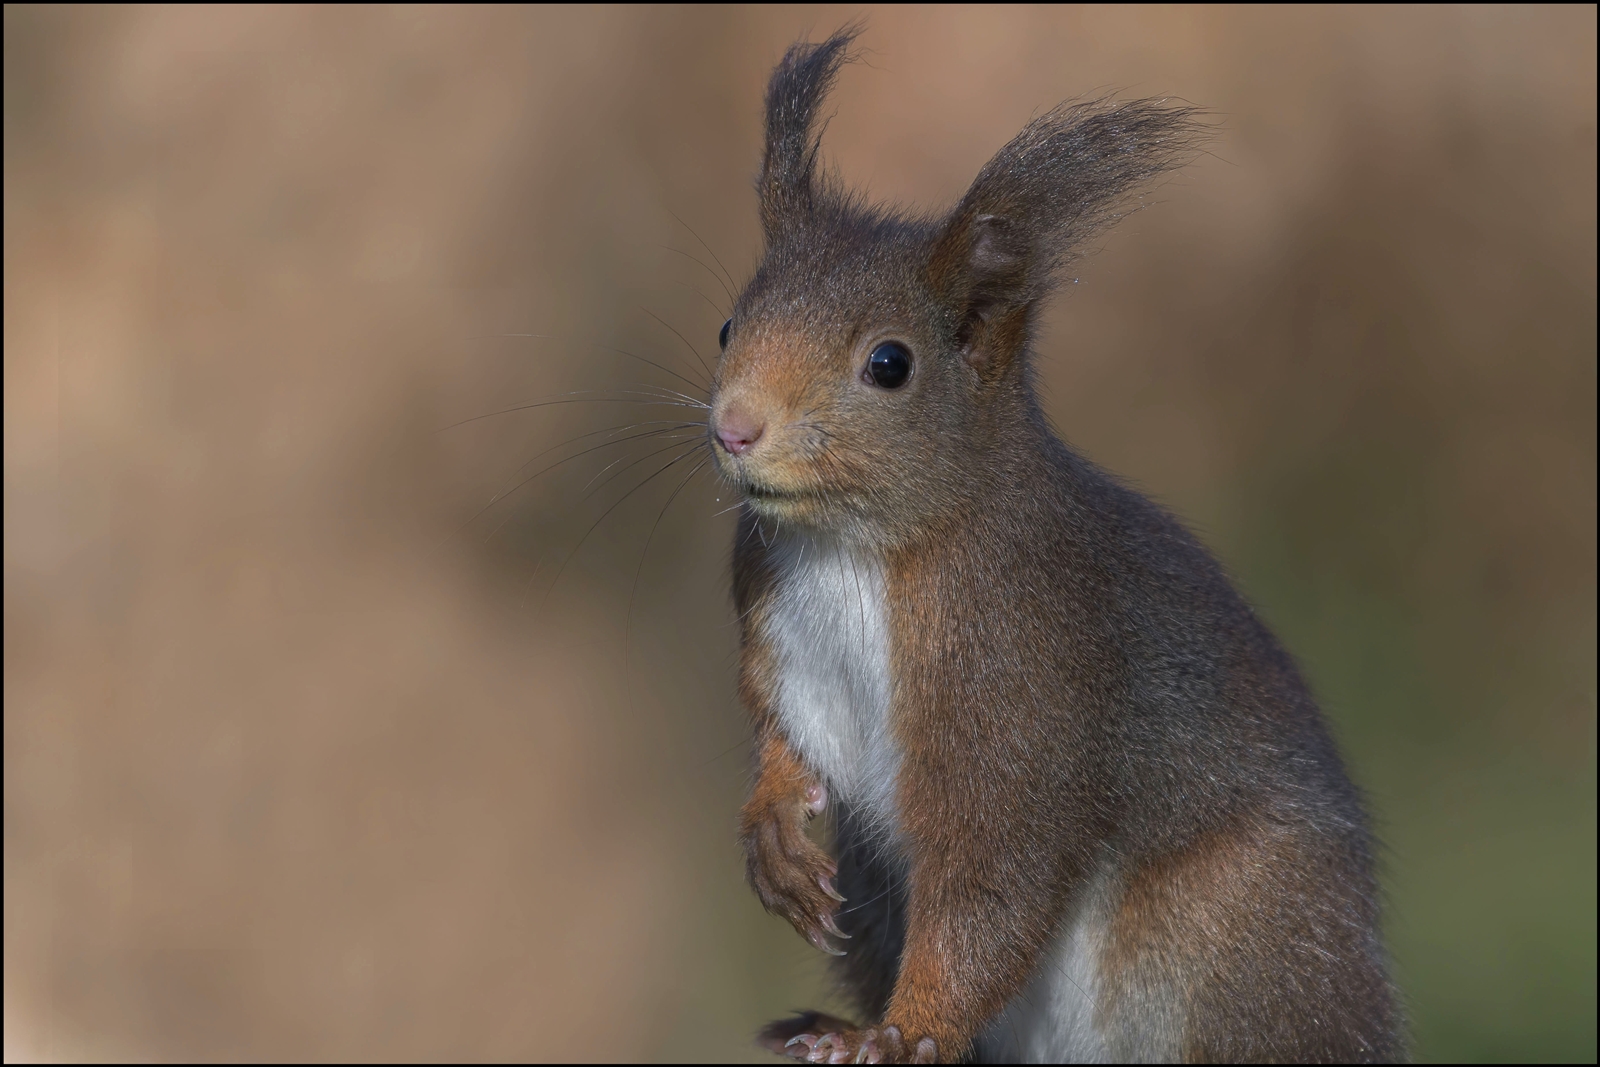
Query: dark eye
x=889 y=365
x=722 y=338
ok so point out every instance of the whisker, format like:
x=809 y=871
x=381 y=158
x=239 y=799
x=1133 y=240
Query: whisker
x=709 y=250
x=509 y=516
x=668 y=423
x=663 y=392
x=701 y=386
x=721 y=314
x=589 y=492
x=566 y=398
x=708 y=270
x=504 y=494
x=652 y=477
x=678 y=335
x=671 y=394
x=605 y=348
x=613 y=463
x=664 y=432
x=627 y=619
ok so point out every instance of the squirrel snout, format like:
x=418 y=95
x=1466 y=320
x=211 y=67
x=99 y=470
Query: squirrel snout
x=738 y=430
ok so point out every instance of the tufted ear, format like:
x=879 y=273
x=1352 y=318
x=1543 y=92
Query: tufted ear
x=1065 y=176
x=788 y=183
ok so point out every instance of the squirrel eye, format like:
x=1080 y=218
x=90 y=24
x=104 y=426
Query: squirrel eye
x=889 y=365
x=722 y=338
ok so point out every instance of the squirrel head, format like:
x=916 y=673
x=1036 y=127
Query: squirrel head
x=876 y=366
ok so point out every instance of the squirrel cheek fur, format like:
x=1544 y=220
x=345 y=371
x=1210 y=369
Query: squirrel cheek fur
x=1086 y=808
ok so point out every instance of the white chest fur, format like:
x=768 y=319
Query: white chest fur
x=1053 y=1019
x=828 y=629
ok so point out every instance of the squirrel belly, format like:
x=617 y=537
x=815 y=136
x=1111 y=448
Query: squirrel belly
x=829 y=635
x=826 y=623
x=1053 y=1019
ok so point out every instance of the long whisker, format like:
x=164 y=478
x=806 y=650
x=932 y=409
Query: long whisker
x=709 y=250
x=700 y=386
x=589 y=492
x=708 y=270
x=669 y=423
x=652 y=477
x=552 y=466
x=654 y=452
x=665 y=431
x=608 y=466
x=606 y=348
x=564 y=398
x=663 y=392
x=627 y=623
x=678 y=335
x=722 y=314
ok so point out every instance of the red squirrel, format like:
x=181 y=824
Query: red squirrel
x=1086 y=808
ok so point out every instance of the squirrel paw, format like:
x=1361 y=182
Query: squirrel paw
x=793 y=878
x=776 y=1037
x=876 y=1045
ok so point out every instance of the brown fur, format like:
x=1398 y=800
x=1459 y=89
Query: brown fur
x=1076 y=686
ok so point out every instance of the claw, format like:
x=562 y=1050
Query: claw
x=927 y=1051
x=819 y=1052
x=819 y=940
x=868 y=1054
x=816 y=799
x=832 y=927
x=827 y=887
x=807 y=1040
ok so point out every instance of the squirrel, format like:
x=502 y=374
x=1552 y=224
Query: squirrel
x=1086 y=807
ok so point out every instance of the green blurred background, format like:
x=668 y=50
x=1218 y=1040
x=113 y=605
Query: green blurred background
x=303 y=760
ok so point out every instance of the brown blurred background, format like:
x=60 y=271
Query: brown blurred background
x=304 y=760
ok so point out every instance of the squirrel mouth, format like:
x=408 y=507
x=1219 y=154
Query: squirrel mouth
x=762 y=492
x=765 y=492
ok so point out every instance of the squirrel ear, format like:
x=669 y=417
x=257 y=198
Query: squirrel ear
x=801 y=80
x=996 y=249
x=980 y=265
x=1065 y=176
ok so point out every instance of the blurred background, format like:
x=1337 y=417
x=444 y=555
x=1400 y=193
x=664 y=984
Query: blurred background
x=313 y=751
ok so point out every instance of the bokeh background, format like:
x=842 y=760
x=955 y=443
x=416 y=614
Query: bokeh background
x=308 y=755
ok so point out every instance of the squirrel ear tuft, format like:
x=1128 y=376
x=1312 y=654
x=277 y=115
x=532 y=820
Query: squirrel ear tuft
x=1068 y=174
x=801 y=80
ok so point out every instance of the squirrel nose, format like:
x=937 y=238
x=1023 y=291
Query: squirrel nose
x=738 y=431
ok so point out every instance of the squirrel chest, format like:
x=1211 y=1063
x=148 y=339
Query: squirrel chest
x=828 y=629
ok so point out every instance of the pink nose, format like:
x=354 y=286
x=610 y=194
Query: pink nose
x=738 y=431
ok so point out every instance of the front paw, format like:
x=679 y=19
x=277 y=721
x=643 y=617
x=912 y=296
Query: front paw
x=875 y=1045
x=792 y=877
